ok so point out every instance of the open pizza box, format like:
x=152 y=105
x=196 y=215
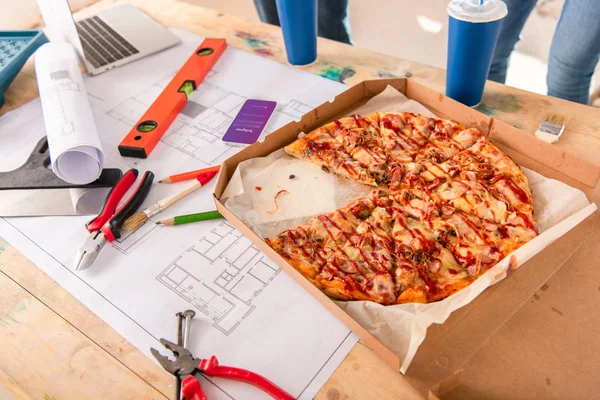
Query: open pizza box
x=521 y=338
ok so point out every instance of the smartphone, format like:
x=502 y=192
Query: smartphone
x=249 y=123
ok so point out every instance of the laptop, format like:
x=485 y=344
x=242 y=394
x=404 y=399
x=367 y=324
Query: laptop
x=110 y=39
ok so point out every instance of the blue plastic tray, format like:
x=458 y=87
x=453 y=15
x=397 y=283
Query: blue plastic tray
x=15 y=49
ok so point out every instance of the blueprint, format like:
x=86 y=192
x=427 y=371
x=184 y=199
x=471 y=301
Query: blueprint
x=248 y=312
x=234 y=273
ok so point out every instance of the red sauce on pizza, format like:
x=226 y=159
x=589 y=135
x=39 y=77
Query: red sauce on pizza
x=318 y=148
x=429 y=284
x=519 y=193
x=526 y=221
x=294 y=238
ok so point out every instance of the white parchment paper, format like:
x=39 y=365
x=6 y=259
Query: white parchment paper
x=312 y=191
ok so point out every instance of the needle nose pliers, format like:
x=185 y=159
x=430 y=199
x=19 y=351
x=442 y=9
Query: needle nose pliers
x=186 y=366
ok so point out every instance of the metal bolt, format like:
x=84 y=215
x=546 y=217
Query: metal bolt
x=179 y=328
x=179 y=342
x=188 y=315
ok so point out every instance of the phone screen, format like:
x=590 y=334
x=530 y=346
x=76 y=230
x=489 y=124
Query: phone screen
x=249 y=123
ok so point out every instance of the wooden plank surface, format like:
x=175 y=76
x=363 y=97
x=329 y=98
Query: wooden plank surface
x=75 y=354
x=43 y=355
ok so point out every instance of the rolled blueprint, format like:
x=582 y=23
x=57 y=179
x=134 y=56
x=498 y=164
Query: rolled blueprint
x=75 y=150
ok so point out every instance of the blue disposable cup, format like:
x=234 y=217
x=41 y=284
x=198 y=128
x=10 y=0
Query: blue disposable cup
x=473 y=31
x=298 y=20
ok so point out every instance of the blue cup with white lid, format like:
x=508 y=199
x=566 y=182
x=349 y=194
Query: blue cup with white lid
x=474 y=26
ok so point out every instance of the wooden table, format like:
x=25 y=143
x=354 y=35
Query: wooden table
x=52 y=347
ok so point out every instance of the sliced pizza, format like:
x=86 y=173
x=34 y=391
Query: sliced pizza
x=322 y=149
x=450 y=205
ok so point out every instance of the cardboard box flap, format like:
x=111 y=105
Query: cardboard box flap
x=550 y=349
x=559 y=160
x=374 y=87
x=445 y=107
x=449 y=346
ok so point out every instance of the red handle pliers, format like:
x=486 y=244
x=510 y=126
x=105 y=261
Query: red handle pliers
x=186 y=366
x=105 y=227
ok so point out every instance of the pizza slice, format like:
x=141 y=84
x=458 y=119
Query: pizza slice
x=426 y=271
x=361 y=138
x=322 y=149
x=470 y=183
x=400 y=143
x=489 y=238
x=445 y=253
x=330 y=252
x=509 y=183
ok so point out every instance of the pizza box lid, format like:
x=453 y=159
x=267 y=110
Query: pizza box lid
x=535 y=334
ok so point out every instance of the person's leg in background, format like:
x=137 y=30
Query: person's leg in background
x=267 y=11
x=512 y=25
x=575 y=51
x=332 y=21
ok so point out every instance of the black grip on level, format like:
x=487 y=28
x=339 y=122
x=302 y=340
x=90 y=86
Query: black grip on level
x=133 y=203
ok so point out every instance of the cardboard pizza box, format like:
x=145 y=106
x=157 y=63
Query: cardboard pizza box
x=536 y=334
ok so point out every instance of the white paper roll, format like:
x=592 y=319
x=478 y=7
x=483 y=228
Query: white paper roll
x=73 y=141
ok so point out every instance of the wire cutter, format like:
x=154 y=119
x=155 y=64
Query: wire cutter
x=105 y=227
x=186 y=366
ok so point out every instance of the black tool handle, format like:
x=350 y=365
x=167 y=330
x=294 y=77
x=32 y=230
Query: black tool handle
x=131 y=205
x=35 y=174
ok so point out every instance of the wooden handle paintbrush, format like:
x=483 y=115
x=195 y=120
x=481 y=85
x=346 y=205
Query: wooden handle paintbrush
x=138 y=219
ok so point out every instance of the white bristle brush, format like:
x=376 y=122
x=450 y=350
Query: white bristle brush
x=552 y=127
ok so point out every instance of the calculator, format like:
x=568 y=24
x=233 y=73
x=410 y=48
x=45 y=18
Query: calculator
x=15 y=49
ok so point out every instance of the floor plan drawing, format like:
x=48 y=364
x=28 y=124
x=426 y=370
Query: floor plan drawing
x=220 y=276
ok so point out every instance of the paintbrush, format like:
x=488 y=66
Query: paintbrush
x=552 y=127
x=138 y=219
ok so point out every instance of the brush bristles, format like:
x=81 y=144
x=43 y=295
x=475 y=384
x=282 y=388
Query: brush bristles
x=135 y=221
x=557 y=119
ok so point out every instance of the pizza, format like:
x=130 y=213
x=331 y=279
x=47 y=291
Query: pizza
x=446 y=206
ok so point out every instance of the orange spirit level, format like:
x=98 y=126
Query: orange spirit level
x=146 y=133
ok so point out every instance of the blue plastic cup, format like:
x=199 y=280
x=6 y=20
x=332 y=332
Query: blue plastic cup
x=473 y=31
x=298 y=20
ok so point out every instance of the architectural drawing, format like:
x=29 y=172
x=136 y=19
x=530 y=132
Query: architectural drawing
x=220 y=276
x=209 y=111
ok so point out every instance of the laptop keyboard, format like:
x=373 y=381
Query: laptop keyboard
x=101 y=44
